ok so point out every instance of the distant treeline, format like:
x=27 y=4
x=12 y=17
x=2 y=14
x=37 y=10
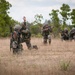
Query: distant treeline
x=57 y=23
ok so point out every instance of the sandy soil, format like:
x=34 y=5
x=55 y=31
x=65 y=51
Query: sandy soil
x=47 y=60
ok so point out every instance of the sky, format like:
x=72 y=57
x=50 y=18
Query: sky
x=30 y=8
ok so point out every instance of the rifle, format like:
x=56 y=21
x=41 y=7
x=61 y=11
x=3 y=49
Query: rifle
x=11 y=29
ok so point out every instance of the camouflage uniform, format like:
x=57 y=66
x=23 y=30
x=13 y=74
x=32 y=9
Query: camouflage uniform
x=46 y=33
x=14 y=42
x=65 y=34
x=72 y=34
x=26 y=35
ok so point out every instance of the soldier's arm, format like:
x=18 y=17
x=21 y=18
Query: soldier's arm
x=24 y=18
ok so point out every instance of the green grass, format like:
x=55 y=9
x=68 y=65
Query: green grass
x=65 y=65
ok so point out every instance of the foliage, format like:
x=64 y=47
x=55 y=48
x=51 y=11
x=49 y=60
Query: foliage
x=73 y=16
x=65 y=65
x=5 y=19
x=65 y=13
x=35 y=29
x=36 y=25
x=39 y=35
x=38 y=19
x=55 y=21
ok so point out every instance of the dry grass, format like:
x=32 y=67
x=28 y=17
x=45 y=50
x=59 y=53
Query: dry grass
x=44 y=61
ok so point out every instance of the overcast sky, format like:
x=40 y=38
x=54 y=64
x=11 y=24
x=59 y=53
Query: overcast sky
x=29 y=8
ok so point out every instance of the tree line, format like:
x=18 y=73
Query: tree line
x=58 y=24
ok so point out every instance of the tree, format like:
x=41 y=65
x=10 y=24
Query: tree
x=35 y=29
x=73 y=16
x=55 y=21
x=5 y=20
x=65 y=13
x=38 y=19
x=36 y=25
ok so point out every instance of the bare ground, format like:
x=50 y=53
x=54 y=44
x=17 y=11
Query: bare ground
x=47 y=60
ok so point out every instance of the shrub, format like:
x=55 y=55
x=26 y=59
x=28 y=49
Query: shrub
x=65 y=65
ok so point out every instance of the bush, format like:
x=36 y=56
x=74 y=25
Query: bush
x=39 y=35
x=65 y=65
x=35 y=29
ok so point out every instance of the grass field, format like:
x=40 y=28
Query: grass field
x=47 y=60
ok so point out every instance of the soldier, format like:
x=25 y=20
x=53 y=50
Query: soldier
x=72 y=34
x=65 y=34
x=26 y=35
x=46 y=33
x=15 y=40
